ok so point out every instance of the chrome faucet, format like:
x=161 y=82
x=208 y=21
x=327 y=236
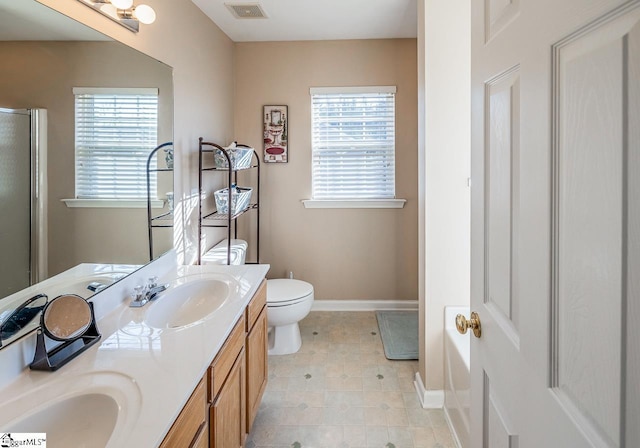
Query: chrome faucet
x=147 y=293
x=96 y=287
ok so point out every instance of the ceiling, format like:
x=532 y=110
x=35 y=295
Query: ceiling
x=30 y=20
x=316 y=19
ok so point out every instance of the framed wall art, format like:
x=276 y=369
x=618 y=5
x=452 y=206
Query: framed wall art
x=276 y=134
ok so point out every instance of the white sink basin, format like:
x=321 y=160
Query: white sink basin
x=92 y=410
x=88 y=419
x=79 y=286
x=190 y=302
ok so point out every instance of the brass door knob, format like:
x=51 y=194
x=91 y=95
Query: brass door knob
x=462 y=324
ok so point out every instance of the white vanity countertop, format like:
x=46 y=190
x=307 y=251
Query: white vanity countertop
x=156 y=370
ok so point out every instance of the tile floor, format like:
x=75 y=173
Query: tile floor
x=339 y=391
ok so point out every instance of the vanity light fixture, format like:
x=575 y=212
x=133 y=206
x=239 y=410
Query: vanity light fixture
x=124 y=12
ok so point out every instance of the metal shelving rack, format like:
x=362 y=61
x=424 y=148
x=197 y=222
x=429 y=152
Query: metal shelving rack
x=164 y=219
x=215 y=219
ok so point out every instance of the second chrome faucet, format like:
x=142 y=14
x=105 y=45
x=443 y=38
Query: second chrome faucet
x=146 y=293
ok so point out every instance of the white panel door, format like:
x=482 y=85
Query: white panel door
x=556 y=223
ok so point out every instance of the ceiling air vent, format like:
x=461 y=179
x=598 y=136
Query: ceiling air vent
x=246 y=10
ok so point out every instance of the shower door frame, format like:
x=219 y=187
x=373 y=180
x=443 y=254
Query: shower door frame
x=39 y=194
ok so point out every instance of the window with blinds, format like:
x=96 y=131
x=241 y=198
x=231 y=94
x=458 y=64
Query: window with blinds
x=116 y=129
x=353 y=142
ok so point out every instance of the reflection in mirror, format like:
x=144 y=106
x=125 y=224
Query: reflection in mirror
x=165 y=219
x=45 y=56
x=18 y=311
x=15 y=319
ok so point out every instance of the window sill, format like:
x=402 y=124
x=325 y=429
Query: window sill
x=354 y=203
x=112 y=203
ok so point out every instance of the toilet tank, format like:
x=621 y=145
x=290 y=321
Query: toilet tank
x=218 y=253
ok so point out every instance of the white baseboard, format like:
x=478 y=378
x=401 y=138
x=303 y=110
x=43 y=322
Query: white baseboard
x=429 y=399
x=456 y=439
x=364 y=305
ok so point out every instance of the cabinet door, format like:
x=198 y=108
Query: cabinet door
x=257 y=370
x=228 y=410
x=202 y=438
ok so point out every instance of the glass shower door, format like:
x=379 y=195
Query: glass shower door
x=15 y=201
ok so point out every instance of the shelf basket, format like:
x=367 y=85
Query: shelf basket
x=240 y=158
x=240 y=198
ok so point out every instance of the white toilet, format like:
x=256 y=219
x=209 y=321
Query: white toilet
x=288 y=300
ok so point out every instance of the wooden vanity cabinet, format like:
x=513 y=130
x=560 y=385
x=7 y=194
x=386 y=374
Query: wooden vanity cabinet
x=227 y=418
x=202 y=438
x=227 y=392
x=256 y=352
x=232 y=389
x=191 y=424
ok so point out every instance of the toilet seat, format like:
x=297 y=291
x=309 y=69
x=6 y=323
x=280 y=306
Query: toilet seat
x=286 y=292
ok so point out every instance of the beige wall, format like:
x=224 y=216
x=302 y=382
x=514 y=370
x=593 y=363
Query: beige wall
x=43 y=75
x=445 y=125
x=348 y=254
x=345 y=254
x=202 y=59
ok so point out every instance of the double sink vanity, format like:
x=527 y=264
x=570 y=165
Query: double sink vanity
x=187 y=369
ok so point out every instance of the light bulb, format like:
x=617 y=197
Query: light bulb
x=122 y=4
x=145 y=14
x=109 y=9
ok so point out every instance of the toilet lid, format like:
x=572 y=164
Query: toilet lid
x=283 y=290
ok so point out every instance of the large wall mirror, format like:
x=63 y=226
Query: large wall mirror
x=45 y=55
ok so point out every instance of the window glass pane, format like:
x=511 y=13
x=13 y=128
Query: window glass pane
x=353 y=143
x=114 y=135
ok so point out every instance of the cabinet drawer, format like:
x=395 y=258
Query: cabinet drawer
x=223 y=362
x=258 y=302
x=189 y=421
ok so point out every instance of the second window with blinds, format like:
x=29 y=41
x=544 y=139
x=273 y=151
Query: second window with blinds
x=116 y=129
x=353 y=146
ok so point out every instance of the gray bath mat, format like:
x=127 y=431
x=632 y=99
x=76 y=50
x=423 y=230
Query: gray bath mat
x=399 y=333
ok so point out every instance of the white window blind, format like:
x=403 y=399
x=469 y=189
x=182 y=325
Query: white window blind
x=116 y=129
x=353 y=142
